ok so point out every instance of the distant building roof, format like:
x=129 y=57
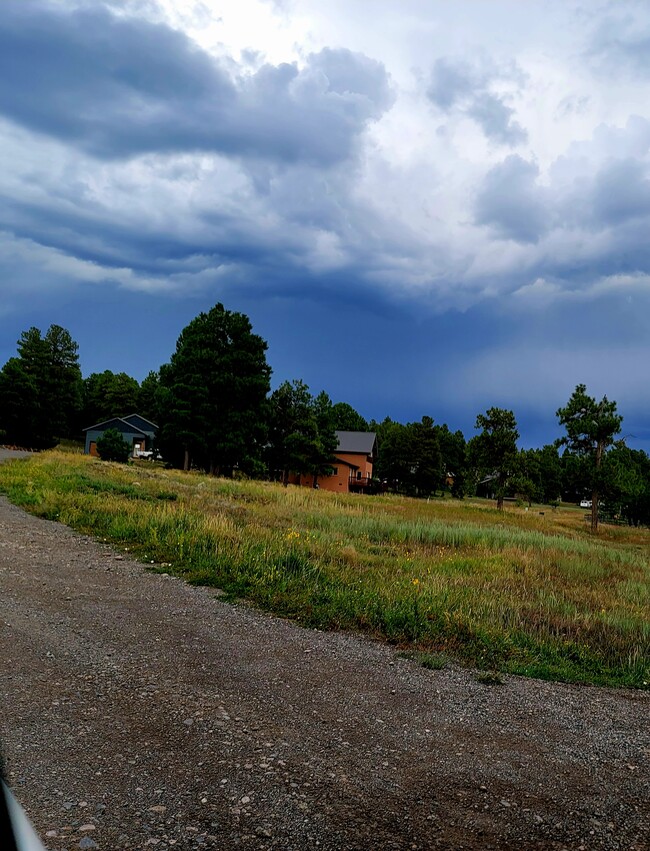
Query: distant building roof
x=118 y=424
x=357 y=442
x=140 y=422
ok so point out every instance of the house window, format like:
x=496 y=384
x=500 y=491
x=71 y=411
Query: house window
x=335 y=471
x=358 y=474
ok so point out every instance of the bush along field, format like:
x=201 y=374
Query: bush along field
x=515 y=591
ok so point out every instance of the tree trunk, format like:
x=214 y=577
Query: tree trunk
x=500 y=502
x=594 y=496
x=314 y=484
x=594 y=511
x=285 y=478
x=186 y=460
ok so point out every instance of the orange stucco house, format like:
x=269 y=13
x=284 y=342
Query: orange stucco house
x=352 y=464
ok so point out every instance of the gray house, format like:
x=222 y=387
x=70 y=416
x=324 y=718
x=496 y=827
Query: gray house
x=137 y=431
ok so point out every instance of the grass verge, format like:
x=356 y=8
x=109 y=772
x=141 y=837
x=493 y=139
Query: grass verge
x=516 y=592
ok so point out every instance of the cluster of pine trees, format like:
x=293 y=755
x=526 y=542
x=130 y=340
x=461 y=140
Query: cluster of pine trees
x=44 y=399
x=215 y=410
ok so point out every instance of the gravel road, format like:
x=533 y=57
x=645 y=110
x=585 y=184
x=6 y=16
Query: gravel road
x=139 y=712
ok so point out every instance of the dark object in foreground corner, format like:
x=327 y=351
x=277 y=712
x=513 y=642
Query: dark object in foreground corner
x=6 y=828
x=16 y=831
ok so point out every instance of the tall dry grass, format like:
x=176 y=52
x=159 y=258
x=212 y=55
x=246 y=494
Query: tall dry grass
x=517 y=591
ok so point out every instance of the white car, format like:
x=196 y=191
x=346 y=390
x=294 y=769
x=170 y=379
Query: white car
x=585 y=503
x=148 y=455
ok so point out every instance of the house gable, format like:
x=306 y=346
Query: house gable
x=141 y=423
x=132 y=435
x=117 y=423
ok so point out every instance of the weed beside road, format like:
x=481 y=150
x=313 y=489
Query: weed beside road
x=512 y=591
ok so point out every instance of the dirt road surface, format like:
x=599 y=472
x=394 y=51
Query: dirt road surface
x=138 y=712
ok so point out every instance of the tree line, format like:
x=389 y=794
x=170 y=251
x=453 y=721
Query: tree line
x=215 y=410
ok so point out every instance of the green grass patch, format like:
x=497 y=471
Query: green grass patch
x=430 y=661
x=515 y=592
x=490 y=678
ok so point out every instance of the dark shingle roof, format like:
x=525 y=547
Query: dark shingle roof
x=140 y=422
x=118 y=424
x=357 y=442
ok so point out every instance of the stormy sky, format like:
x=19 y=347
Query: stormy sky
x=424 y=207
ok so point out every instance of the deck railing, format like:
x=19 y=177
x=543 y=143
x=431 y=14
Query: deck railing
x=362 y=482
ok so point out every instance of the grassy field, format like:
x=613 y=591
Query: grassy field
x=517 y=591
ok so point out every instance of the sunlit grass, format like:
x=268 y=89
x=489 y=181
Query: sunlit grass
x=517 y=591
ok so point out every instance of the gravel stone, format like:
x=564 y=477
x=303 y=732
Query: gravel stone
x=345 y=747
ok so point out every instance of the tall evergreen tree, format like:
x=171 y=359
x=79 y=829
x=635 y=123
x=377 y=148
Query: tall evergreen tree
x=108 y=394
x=63 y=383
x=148 y=402
x=20 y=409
x=495 y=448
x=591 y=427
x=40 y=389
x=396 y=454
x=327 y=442
x=627 y=485
x=415 y=458
x=427 y=473
x=213 y=393
x=550 y=472
x=36 y=430
x=526 y=478
x=347 y=419
x=453 y=448
x=301 y=432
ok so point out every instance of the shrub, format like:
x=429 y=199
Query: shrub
x=111 y=446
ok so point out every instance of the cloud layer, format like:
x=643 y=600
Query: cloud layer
x=118 y=87
x=491 y=175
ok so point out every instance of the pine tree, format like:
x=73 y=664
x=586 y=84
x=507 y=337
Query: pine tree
x=327 y=442
x=293 y=430
x=63 y=382
x=108 y=394
x=148 y=406
x=40 y=389
x=427 y=472
x=212 y=394
x=590 y=430
x=495 y=448
x=347 y=419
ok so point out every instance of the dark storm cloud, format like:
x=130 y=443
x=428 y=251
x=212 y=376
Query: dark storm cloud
x=118 y=86
x=458 y=85
x=511 y=203
x=88 y=235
